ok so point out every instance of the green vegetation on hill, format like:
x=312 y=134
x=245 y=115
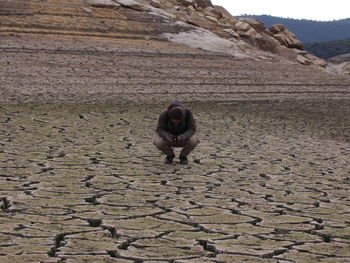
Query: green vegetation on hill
x=330 y=48
x=309 y=31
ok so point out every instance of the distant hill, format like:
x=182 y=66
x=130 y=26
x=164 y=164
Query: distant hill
x=309 y=31
x=330 y=48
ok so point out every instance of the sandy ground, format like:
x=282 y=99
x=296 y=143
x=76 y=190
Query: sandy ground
x=269 y=182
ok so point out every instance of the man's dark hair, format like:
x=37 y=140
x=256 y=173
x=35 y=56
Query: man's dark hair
x=176 y=113
x=175 y=103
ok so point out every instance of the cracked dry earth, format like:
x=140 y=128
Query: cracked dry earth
x=268 y=183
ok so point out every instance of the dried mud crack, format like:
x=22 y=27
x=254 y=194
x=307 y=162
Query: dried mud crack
x=80 y=181
x=83 y=195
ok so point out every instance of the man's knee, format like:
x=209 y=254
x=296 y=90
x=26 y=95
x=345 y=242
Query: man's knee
x=193 y=141
x=159 y=142
x=155 y=143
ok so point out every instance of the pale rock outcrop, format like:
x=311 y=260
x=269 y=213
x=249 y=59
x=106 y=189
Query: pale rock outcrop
x=87 y=10
x=303 y=60
x=216 y=26
x=131 y=4
x=204 y=39
x=102 y=3
x=231 y=32
x=211 y=18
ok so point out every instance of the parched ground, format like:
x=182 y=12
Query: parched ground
x=66 y=51
x=62 y=69
x=80 y=181
x=269 y=182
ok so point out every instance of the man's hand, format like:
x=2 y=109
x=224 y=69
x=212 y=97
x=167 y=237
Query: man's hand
x=169 y=139
x=180 y=139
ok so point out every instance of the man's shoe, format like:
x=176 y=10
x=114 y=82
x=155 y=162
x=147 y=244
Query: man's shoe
x=169 y=159
x=183 y=160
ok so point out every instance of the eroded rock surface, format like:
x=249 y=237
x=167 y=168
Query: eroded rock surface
x=85 y=184
x=152 y=20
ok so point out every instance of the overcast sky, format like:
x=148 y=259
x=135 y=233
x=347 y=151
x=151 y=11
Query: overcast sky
x=309 y=9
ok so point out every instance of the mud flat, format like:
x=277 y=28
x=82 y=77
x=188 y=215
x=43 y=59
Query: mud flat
x=268 y=183
x=81 y=88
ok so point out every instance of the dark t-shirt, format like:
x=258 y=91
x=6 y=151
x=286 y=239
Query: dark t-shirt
x=166 y=128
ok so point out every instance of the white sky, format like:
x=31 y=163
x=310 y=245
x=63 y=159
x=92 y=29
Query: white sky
x=309 y=9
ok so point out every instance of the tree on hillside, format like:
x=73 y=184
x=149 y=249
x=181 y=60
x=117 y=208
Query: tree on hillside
x=310 y=31
x=329 y=49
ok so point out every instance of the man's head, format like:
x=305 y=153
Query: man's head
x=176 y=115
x=175 y=103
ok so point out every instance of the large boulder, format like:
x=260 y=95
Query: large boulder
x=241 y=26
x=285 y=37
x=275 y=29
x=288 y=39
x=226 y=14
x=256 y=24
x=251 y=33
x=266 y=42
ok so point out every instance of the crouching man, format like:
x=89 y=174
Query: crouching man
x=176 y=128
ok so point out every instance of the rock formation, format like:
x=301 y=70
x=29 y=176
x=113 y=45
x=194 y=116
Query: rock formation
x=217 y=20
x=248 y=37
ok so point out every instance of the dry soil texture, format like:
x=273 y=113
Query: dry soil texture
x=268 y=183
x=80 y=180
x=56 y=69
